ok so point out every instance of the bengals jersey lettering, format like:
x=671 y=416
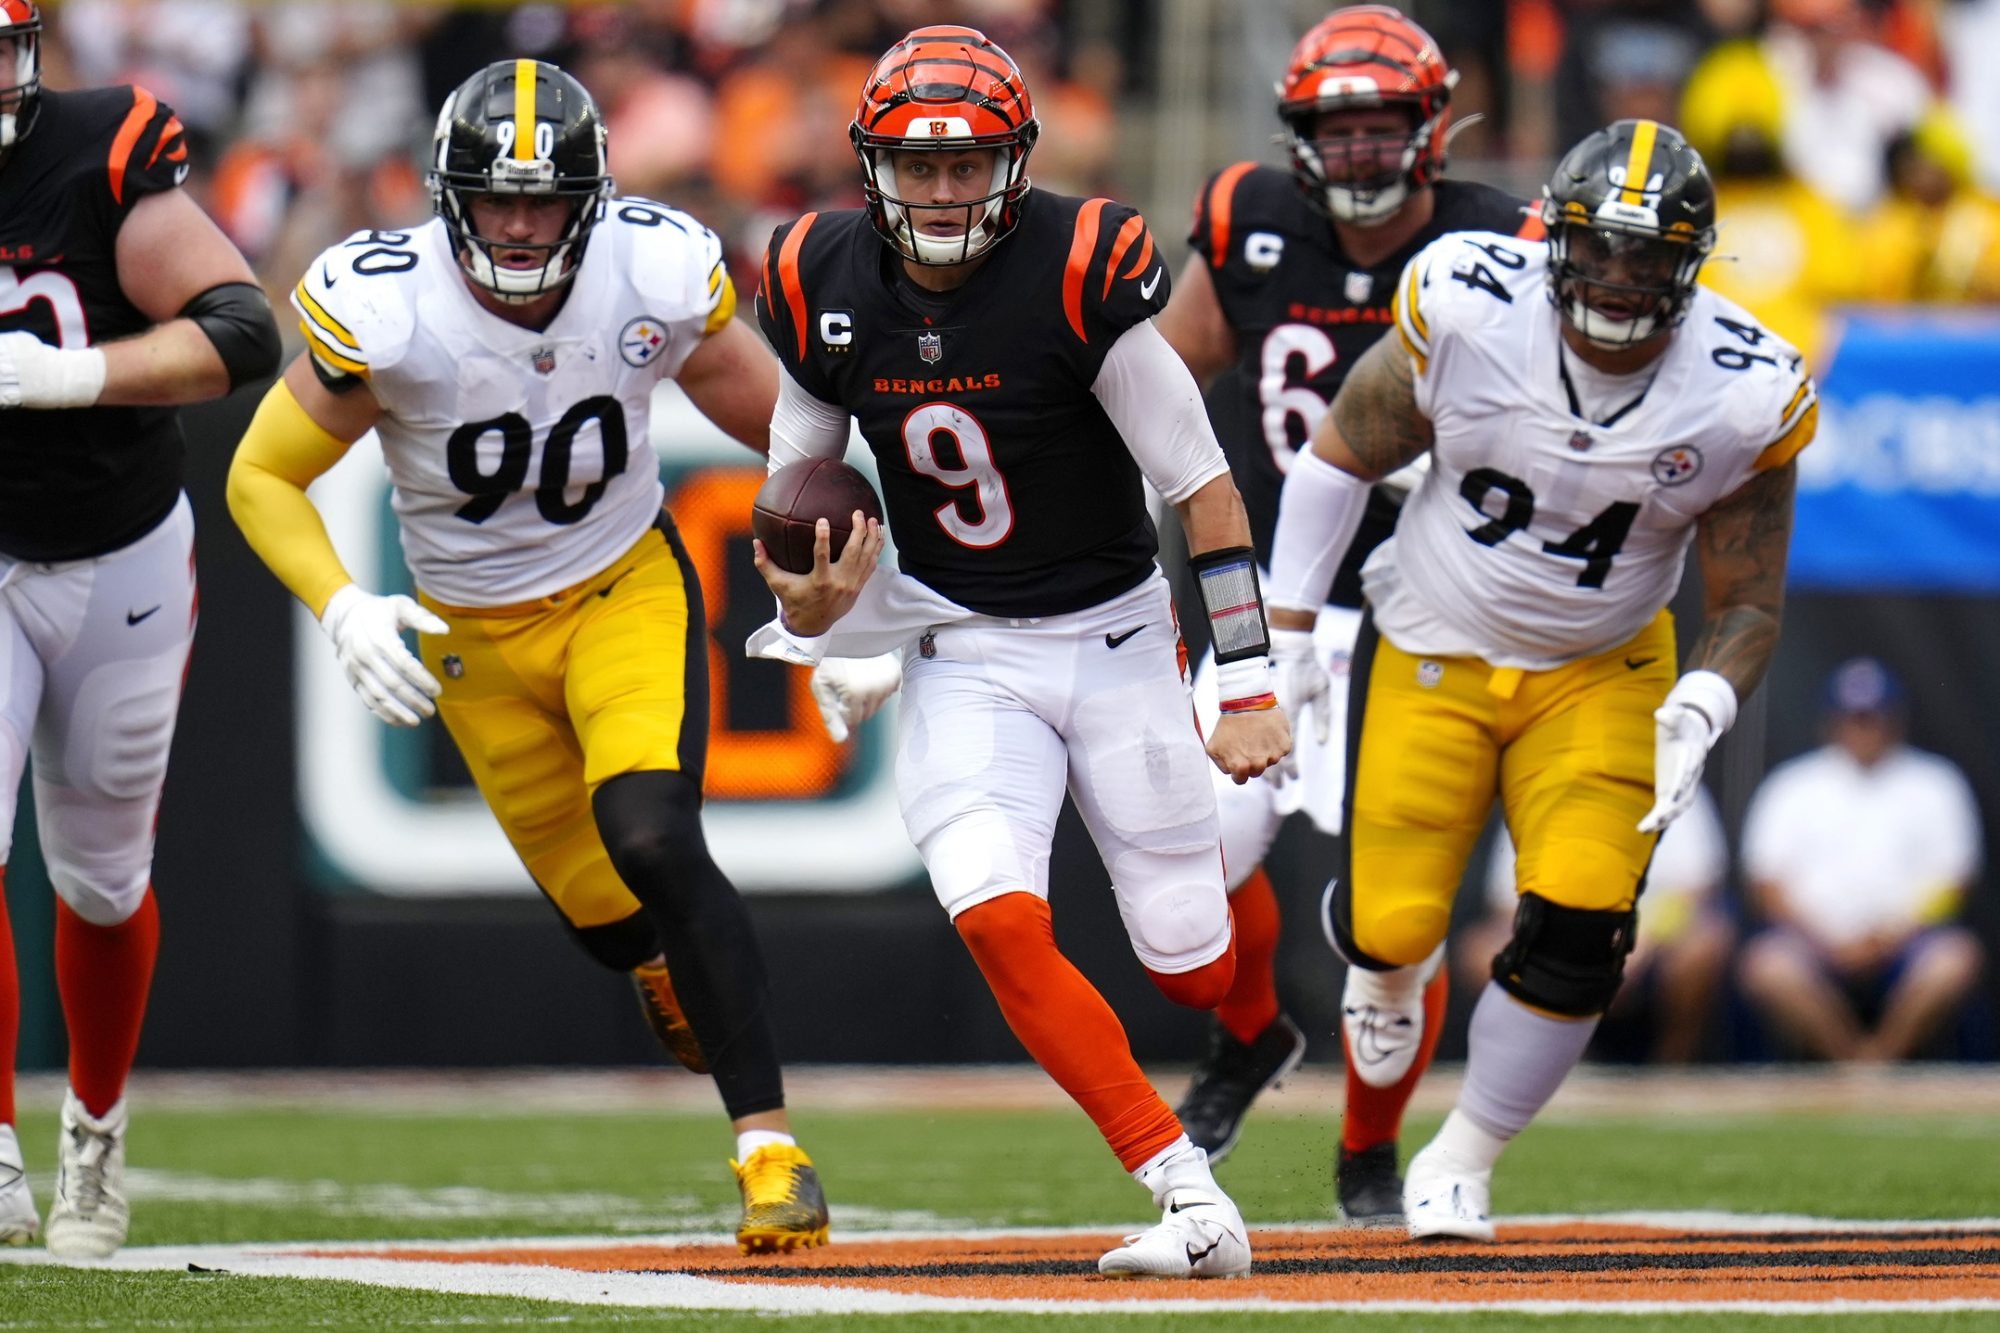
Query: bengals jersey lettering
x=1007 y=487
x=1541 y=536
x=79 y=482
x=520 y=458
x=1303 y=313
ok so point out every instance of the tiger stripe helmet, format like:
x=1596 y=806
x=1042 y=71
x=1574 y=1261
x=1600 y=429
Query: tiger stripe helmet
x=1630 y=213
x=21 y=99
x=945 y=89
x=1365 y=56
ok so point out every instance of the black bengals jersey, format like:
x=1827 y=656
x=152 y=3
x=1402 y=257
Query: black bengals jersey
x=79 y=482
x=1006 y=485
x=1303 y=314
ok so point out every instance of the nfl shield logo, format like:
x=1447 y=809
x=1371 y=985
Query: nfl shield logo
x=930 y=346
x=1359 y=287
x=1579 y=440
x=545 y=360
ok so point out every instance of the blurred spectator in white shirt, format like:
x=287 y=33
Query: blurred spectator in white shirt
x=1675 y=969
x=1846 y=97
x=1858 y=854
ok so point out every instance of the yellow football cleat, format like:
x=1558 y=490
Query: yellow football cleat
x=663 y=1015
x=783 y=1206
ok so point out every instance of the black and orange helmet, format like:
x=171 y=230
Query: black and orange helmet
x=1366 y=56
x=945 y=89
x=21 y=92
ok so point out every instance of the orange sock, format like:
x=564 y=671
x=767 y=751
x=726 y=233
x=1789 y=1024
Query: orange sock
x=1375 y=1115
x=10 y=1008
x=1252 y=1002
x=104 y=974
x=1066 y=1025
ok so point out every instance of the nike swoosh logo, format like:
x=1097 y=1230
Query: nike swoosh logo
x=1370 y=1048
x=1195 y=1256
x=134 y=617
x=1183 y=1207
x=1634 y=663
x=1113 y=640
x=1147 y=287
x=326 y=275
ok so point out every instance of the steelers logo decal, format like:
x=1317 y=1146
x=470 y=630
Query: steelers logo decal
x=1676 y=466
x=641 y=340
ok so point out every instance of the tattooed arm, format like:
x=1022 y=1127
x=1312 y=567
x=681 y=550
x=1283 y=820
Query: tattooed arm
x=1374 y=428
x=1375 y=425
x=1743 y=542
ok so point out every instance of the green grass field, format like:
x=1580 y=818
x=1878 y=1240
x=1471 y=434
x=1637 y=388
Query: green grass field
x=245 y=1173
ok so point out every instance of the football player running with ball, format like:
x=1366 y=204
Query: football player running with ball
x=1289 y=283
x=506 y=354
x=1589 y=412
x=119 y=298
x=995 y=344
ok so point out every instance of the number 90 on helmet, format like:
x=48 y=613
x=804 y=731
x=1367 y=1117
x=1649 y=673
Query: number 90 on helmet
x=944 y=89
x=519 y=127
x=1630 y=213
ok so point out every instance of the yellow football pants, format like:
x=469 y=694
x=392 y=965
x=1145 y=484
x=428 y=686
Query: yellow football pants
x=549 y=699
x=1431 y=739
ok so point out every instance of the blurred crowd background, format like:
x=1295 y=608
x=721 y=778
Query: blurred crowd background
x=1857 y=142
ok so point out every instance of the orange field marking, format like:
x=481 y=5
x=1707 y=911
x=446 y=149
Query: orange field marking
x=1557 y=1261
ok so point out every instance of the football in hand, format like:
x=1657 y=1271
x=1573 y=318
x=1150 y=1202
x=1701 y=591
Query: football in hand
x=796 y=497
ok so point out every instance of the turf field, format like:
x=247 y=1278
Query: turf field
x=971 y=1187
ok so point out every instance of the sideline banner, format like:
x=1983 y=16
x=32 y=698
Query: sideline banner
x=1901 y=490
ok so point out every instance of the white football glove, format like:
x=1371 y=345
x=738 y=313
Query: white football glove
x=34 y=374
x=1700 y=707
x=367 y=634
x=1300 y=681
x=850 y=690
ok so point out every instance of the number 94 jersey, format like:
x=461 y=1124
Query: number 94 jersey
x=1541 y=535
x=520 y=458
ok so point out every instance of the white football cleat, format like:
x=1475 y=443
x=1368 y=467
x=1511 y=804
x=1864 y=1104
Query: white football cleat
x=18 y=1219
x=1200 y=1235
x=89 y=1217
x=1444 y=1196
x=1382 y=1019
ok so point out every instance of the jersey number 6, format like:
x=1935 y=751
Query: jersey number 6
x=489 y=490
x=936 y=425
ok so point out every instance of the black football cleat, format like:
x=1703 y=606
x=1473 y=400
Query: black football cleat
x=1230 y=1076
x=1370 y=1190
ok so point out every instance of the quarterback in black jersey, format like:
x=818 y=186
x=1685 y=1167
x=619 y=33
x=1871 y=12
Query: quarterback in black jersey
x=118 y=299
x=995 y=345
x=1290 y=281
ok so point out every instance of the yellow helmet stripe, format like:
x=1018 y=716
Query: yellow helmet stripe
x=1636 y=165
x=524 y=110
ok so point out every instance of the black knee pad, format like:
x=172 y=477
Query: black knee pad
x=1563 y=959
x=618 y=945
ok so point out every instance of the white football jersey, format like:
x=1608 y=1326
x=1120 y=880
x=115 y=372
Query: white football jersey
x=1542 y=535
x=520 y=459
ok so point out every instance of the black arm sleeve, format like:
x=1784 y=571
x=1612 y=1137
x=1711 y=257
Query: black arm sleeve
x=237 y=318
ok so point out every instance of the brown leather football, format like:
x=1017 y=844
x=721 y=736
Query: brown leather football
x=797 y=496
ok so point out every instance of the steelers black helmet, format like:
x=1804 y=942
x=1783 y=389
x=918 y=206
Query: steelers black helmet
x=1630 y=214
x=519 y=127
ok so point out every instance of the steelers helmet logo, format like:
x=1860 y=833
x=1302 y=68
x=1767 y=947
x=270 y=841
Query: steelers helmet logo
x=641 y=340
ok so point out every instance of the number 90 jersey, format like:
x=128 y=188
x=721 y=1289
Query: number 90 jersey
x=1541 y=536
x=520 y=458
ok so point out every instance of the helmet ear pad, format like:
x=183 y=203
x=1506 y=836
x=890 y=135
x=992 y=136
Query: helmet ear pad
x=486 y=144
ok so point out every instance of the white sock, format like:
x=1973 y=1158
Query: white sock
x=1179 y=1165
x=1469 y=1143
x=750 y=1140
x=1398 y=987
